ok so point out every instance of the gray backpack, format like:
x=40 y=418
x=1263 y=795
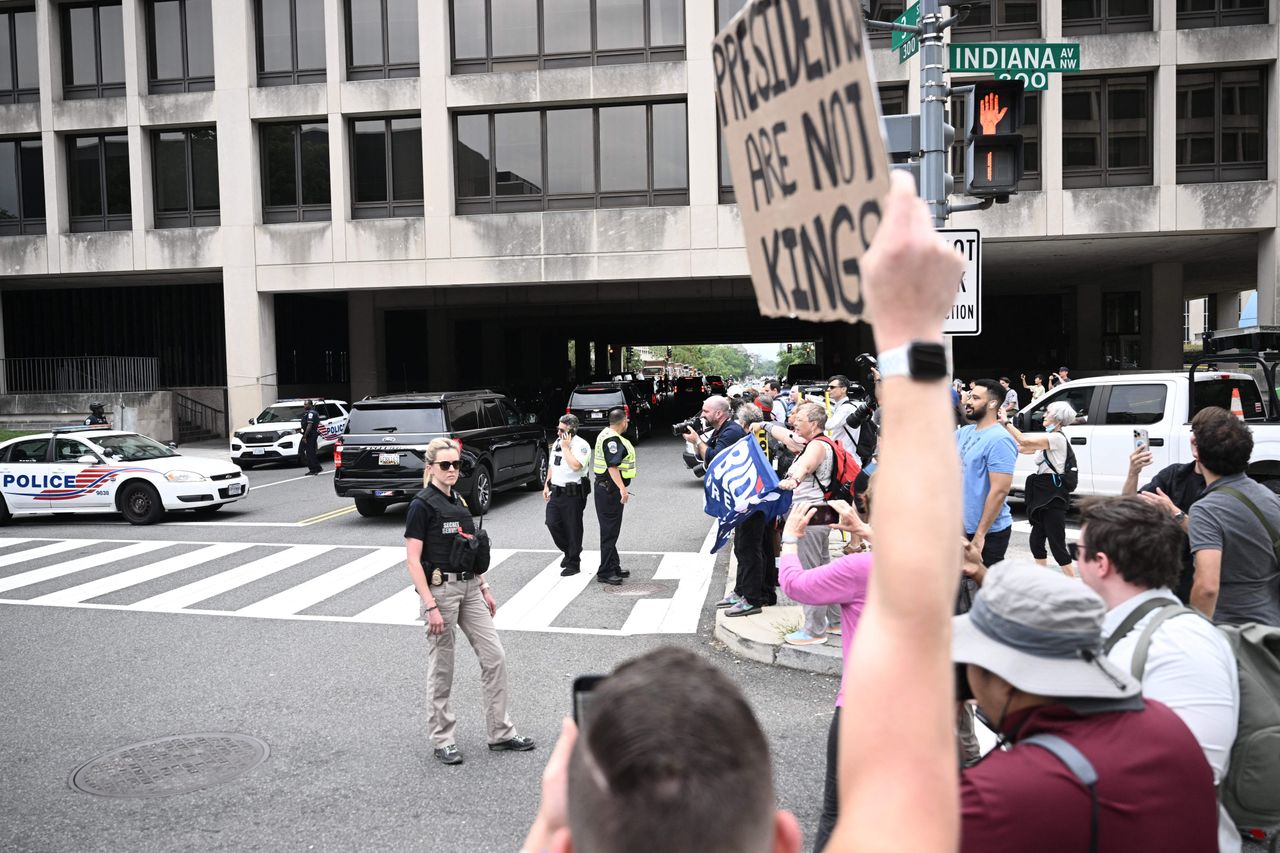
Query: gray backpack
x=1251 y=789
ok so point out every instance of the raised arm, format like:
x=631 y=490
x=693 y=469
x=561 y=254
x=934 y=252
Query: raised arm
x=897 y=750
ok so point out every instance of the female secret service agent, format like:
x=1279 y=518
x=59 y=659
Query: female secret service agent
x=436 y=517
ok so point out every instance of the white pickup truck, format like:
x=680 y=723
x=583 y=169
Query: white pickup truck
x=1109 y=409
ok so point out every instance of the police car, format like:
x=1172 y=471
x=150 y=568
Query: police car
x=84 y=469
x=275 y=435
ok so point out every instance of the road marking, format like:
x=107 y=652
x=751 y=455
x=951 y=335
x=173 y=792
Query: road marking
x=282 y=482
x=73 y=566
x=312 y=592
x=403 y=607
x=537 y=604
x=192 y=593
x=710 y=538
x=44 y=551
x=346 y=510
x=142 y=574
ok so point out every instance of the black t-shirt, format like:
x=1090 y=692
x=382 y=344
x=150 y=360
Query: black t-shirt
x=1184 y=486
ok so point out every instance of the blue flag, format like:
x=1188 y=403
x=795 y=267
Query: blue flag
x=740 y=481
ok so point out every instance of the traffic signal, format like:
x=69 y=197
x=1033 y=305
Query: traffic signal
x=993 y=153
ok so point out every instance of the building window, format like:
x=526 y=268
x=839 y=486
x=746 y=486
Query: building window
x=92 y=50
x=290 y=41
x=521 y=35
x=98 y=182
x=1222 y=127
x=1193 y=14
x=180 y=45
x=1092 y=17
x=382 y=39
x=386 y=167
x=999 y=20
x=1030 y=130
x=19 y=75
x=21 y=187
x=1106 y=132
x=893 y=100
x=884 y=10
x=184 y=168
x=631 y=155
x=295 y=172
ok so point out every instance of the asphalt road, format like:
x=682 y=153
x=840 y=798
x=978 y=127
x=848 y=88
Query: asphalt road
x=340 y=703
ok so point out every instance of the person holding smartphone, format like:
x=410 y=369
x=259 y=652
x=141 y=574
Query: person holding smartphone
x=1047 y=501
x=565 y=492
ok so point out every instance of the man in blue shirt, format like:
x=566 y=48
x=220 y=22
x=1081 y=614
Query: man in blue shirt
x=987 y=455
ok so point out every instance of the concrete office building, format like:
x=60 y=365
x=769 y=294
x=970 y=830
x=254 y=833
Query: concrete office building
x=357 y=196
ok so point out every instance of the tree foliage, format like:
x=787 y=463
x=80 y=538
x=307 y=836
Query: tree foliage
x=801 y=353
x=730 y=362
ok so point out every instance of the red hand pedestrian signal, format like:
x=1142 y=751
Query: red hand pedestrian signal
x=990 y=113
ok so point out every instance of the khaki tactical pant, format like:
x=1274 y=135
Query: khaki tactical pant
x=461 y=604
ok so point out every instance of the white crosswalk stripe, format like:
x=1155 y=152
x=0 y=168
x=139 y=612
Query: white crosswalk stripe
x=542 y=600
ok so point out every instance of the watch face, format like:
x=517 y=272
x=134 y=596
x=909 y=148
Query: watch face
x=928 y=361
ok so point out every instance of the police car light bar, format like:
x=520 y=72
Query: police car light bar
x=80 y=428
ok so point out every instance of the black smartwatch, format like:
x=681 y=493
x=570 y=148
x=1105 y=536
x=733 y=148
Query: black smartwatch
x=921 y=360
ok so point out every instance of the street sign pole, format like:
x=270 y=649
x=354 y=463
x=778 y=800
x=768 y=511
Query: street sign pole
x=933 y=99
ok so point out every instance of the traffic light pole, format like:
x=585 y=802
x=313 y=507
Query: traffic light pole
x=933 y=102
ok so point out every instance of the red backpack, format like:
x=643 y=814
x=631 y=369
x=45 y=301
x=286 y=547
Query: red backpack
x=845 y=470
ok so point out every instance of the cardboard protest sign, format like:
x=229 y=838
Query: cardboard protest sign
x=798 y=114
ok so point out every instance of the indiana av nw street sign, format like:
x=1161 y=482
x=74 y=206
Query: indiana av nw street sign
x=1030 y=63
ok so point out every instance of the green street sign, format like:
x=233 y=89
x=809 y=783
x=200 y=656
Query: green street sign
x=906 y=44
x=1030 y=63
x=910 y=18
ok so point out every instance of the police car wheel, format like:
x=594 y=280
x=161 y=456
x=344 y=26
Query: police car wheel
x=370 y=508
x=481 y=490
x=539 y=473
x=140 y=504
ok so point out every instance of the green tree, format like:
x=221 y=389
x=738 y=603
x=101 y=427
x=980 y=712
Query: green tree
x=801 y=353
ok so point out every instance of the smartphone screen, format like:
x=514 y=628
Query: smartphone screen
x=1141 y=439
x=825 y=515
x=583 y=686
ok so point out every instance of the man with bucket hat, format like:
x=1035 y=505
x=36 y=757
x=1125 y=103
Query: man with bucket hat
x=1092 y=765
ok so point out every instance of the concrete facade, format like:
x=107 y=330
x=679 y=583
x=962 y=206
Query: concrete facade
x=1167 y=240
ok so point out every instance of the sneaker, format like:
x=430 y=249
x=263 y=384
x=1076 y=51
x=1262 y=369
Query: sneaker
x=448 y=754
x=835 y=630
x=571 y=570
x=519 y=743
x=728 y=601
x=744 y=608
x=803 y=638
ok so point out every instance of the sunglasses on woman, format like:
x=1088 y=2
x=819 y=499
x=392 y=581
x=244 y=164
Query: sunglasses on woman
x=449 y=465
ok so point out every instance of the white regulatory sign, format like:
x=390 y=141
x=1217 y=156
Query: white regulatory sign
x=965 y=317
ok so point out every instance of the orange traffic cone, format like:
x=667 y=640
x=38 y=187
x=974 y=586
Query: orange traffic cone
x=1236 y=408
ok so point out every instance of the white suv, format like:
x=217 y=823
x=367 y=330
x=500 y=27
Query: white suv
x=275 y=435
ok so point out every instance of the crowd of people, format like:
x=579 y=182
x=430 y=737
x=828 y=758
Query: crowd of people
x=1114 y=680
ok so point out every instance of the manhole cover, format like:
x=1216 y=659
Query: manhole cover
x=636 y=589
x=170 y=765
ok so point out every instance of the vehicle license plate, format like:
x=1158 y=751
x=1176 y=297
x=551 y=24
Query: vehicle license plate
x=597 y=414
x=384 y=493
x=235 y=488
x=258 y=452
x=388 y=458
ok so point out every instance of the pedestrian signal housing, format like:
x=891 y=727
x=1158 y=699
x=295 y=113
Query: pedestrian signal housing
x=993 y=153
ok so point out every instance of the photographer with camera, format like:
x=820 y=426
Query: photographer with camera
x=849 y=421
x=725 y=431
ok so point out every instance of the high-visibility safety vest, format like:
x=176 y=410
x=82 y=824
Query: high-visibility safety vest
x=628 y=467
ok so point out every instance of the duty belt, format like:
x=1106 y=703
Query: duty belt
x=574 y=489
x=452 y=576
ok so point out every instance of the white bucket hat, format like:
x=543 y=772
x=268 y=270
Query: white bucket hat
x=1042 y=633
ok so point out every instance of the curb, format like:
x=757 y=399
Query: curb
x=823 y=659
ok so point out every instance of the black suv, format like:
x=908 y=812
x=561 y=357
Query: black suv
x=592 y=402
x=379 y=460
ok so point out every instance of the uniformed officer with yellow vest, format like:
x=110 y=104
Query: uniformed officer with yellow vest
x=614 y=464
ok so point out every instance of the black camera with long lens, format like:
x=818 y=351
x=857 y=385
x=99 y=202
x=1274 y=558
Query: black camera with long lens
x=695 y=422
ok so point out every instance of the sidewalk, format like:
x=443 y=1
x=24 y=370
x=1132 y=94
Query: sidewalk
x=214 y=448
x=759 y=637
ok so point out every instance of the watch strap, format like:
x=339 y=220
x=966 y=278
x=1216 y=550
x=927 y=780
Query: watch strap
x=922 y=360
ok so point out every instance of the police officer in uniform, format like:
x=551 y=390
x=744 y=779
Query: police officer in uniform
x=96 y=415
x=614 y=464
x=310 y=436
x=437 y=516
x=565 y=492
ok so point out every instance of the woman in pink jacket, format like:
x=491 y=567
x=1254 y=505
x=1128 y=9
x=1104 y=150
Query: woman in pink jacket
x=842 y=582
